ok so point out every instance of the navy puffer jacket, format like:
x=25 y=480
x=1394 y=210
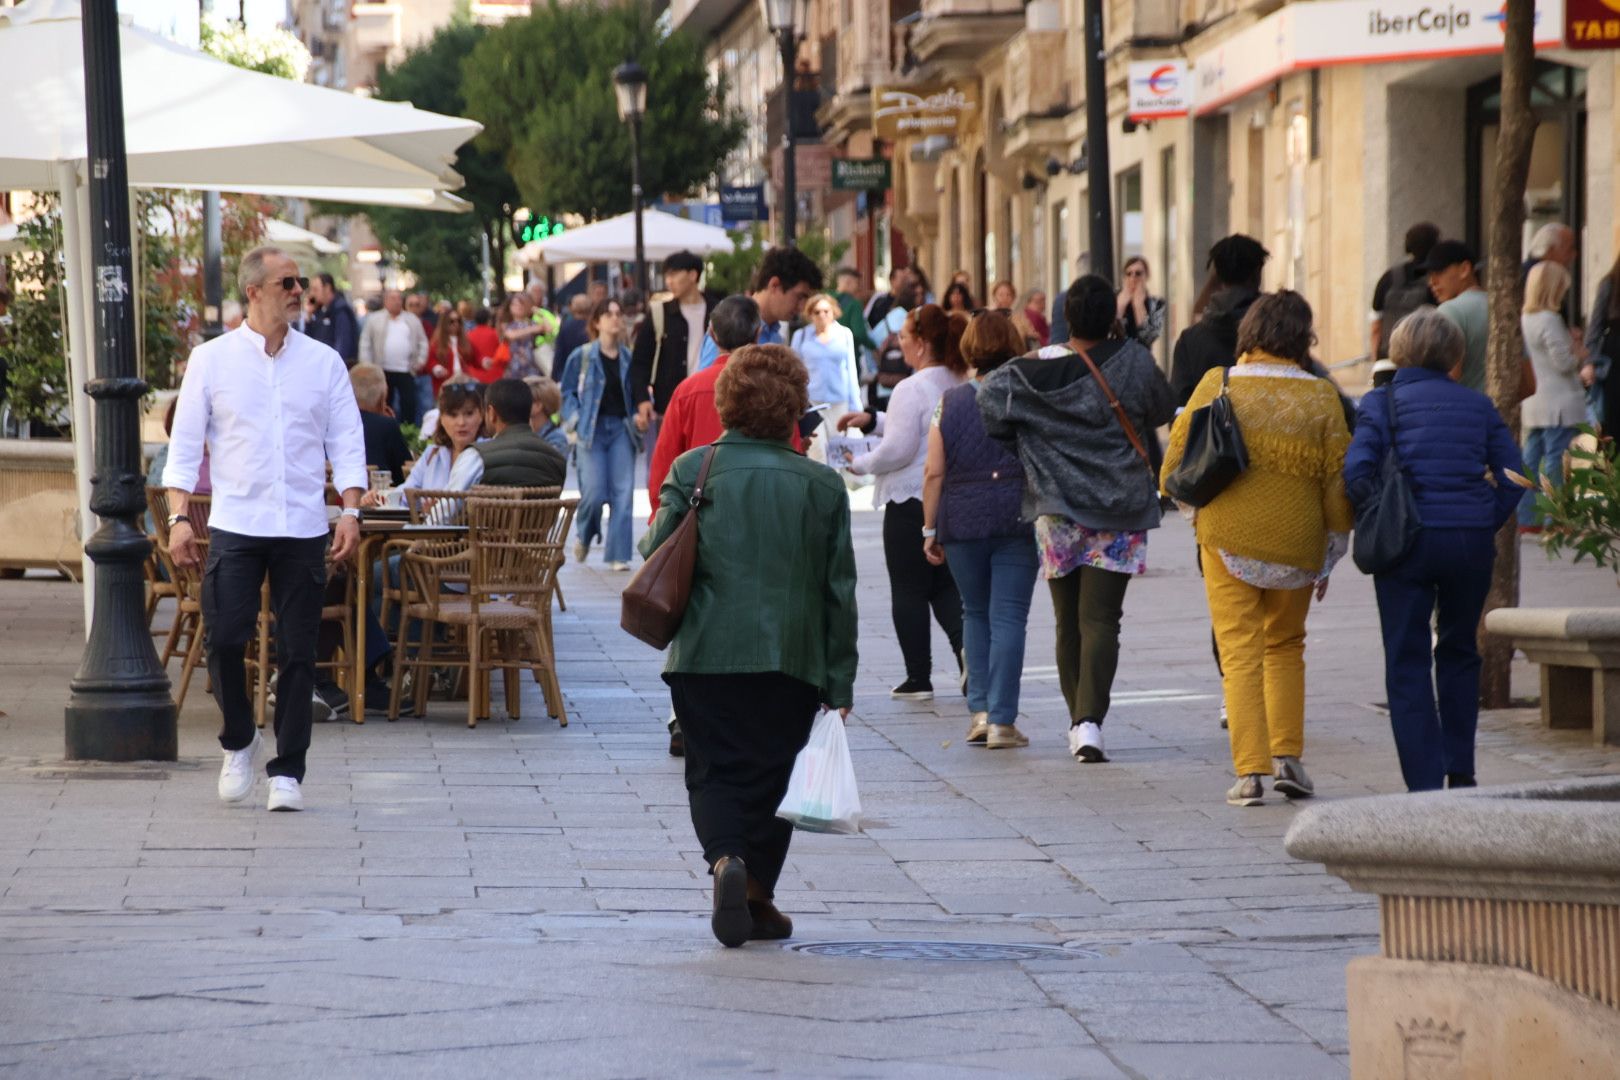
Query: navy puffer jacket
x=1447 y=437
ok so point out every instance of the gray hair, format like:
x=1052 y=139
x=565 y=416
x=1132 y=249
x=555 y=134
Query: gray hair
x=252 y=271
x=1427 y=339
x=369 y=383
x=734 y=322
x=1546 y=238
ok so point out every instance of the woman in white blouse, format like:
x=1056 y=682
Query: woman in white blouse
x=930 y=341
x=461 y=422
x=1550 y=415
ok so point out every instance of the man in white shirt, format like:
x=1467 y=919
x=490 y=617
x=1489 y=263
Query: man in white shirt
x=272 y=407
x=395 y=341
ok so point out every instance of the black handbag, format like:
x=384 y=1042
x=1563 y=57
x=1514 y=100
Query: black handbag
x=1214 y=454
x=1386 y=524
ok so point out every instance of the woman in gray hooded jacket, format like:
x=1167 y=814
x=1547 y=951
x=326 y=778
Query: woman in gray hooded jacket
x=1089 y=488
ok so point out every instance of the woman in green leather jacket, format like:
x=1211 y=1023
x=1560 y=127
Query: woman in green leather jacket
x=769 y=634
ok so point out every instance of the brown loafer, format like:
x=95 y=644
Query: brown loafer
x=731 y=922
x=769 y=923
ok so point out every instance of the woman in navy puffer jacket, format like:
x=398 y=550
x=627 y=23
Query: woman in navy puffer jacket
x=1455 y=450
x=973 y=494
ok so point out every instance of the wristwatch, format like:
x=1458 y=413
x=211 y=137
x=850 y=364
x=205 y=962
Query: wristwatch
x=928 y=534
x=352 y=511
x=175 y=519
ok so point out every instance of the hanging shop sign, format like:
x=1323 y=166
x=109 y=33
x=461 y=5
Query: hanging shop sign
x=916 y=112
x=739 y=204
x=1592 y=24
x=1159 y=89
x=861 y=174
x=1331 y=32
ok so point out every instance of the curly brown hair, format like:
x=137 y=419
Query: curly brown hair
x=762 y=392
x=990 y=340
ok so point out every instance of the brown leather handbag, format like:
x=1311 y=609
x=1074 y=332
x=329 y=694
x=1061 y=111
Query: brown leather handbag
x=655 y=601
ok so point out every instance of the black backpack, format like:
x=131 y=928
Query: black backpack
x=1408 y=291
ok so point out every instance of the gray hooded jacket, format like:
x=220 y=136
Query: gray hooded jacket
x=1078 y=462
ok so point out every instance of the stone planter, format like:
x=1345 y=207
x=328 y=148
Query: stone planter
x=1499 y=913
x=39 y=515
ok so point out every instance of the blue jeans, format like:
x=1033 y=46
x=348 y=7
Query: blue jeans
x=996 y=579
x=1543 y=456
x=1444 y=578
x=607 y=478
x=425 y=401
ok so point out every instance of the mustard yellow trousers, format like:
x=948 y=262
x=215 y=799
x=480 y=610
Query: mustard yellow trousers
x=1260 y=635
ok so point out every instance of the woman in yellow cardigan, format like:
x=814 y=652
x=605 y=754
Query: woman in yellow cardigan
x=1272 y=537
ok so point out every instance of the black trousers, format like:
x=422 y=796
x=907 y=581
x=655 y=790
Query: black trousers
x=402 y=396
x=915 y=586
x=235 y=571
x=742 y=734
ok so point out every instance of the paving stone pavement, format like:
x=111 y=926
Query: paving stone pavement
x=529 y=898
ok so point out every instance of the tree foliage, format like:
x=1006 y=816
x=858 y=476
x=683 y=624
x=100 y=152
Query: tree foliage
x=276 y=52
x=440 y=249
x=543 y=88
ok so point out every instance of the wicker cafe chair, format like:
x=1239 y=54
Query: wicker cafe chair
x=511 y=562
x=186 y=633
x=490 y=491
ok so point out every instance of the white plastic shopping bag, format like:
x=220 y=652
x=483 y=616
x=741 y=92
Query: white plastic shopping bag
x=821 y=796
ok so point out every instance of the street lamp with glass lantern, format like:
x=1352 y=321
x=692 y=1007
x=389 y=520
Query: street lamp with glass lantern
x=786 y=19
x=630 y=86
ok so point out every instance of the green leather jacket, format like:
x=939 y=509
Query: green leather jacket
x=774 y=586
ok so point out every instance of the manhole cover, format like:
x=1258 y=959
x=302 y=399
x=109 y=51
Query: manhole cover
x=978 y=951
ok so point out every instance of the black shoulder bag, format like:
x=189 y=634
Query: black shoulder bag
x=1387 y=524
x=1214 y=455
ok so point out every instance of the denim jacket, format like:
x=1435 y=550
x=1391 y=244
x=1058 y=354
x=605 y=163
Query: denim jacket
x=583 y=380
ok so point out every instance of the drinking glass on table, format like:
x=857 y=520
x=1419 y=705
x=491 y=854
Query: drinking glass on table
x=381 y=480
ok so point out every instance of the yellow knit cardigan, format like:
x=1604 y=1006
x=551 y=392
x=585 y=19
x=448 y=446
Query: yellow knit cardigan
x=1292 y=495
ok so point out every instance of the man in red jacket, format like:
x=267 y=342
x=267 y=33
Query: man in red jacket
x=691 y=419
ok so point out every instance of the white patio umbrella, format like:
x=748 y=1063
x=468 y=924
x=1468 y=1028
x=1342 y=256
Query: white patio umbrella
x=303 y=246
x=8 y=240
x=189 y=121
x=614 y=240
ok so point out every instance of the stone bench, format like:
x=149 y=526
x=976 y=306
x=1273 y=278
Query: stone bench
x=1579 y=653
x=1499 y=929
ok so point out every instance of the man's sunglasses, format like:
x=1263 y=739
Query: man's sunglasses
x=287 y=283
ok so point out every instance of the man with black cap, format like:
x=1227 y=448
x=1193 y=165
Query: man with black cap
x=1450 y=267
x=669 y=340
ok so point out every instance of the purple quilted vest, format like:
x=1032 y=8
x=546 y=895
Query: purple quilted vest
x=984 y=483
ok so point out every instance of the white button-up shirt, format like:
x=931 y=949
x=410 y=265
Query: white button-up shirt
x=270 y=425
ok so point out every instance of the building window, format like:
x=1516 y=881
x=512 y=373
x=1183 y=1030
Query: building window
x=1129 y=225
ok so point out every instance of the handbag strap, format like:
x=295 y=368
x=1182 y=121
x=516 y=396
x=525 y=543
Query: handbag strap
x=693 y=500
x=1119 y=410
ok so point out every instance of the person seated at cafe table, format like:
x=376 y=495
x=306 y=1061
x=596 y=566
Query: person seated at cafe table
x=385 y=443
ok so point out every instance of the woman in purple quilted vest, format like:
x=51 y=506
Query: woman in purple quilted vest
x=973 y=491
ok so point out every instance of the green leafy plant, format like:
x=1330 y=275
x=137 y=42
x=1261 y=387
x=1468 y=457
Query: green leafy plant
x=732 y=272
x=33 y=351
x=275 y=52
x=1583 y=514
x=826 y=253
x=413 y=439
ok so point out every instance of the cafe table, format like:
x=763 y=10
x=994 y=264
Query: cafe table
x=376 y=529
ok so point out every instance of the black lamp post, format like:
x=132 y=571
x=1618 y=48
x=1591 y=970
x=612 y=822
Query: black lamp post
x=785 y=19
x=119 y=708
x=630 y=86
x=1100 y=179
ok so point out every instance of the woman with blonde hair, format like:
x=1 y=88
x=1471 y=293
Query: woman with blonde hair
x=827 y=348
x=1271 y=537
x=1553 y=413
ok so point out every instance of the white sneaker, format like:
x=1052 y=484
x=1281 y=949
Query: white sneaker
x=582 y=550
x=240 y=770
x=1086 y=742
x=285 y=794
x=618 y=567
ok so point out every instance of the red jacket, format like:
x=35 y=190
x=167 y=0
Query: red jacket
x=690 y=421
x=486 y=340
